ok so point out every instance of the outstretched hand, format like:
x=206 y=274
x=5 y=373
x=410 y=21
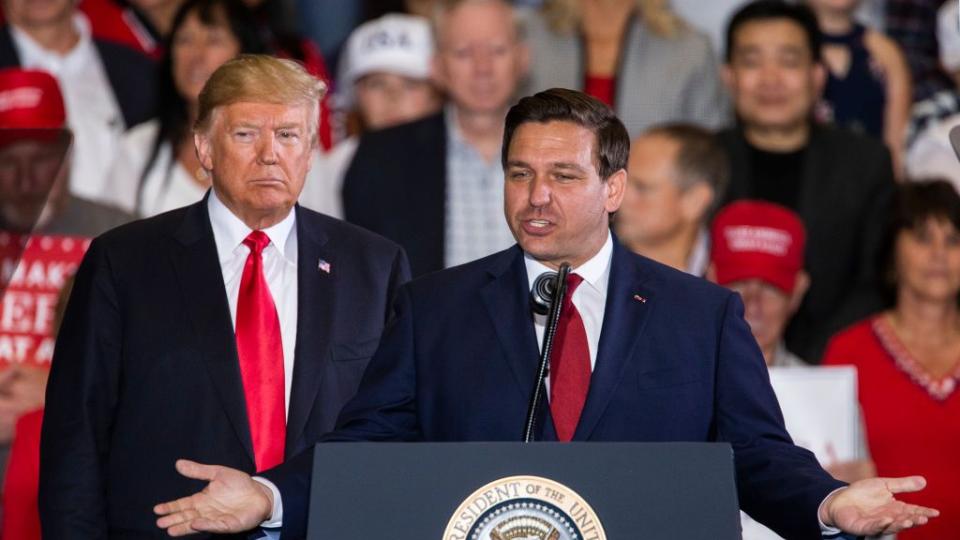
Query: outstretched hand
x=231 y=502
x=868 y=507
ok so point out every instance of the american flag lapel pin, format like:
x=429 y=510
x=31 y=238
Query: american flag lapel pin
x=641 y=299
x=323 y=266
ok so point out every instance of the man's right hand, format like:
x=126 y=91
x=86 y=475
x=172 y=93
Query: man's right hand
x=231 y=502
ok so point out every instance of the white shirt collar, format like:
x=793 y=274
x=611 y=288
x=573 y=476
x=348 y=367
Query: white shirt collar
x=596 y=271
x=700 y=255
x=33 y=55
x=229 y=231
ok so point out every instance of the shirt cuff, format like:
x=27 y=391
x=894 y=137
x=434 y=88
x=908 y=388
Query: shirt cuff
x=276 y=515
x=825 y=531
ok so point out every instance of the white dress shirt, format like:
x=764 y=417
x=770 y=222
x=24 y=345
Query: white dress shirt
x=590 y=298
x=279 y=268
x=92 y=110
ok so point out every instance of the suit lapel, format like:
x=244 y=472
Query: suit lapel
x=316 y=306
x=200 y=277
x=506 y=299
x=624 y=320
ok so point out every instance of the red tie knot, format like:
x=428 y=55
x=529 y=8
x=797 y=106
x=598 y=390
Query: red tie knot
x=256 y=241
x=573 y=281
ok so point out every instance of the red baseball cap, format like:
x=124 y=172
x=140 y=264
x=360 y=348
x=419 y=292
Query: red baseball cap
x=756 y=239
x=29 y=100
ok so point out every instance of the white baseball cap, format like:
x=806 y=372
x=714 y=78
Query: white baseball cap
x=394 y=43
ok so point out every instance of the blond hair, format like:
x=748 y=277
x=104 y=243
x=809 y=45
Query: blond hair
x=563 y=16
x=260 y=78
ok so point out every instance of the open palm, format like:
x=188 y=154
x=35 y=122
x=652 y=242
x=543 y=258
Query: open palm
x=869 y=507
x=231 y=502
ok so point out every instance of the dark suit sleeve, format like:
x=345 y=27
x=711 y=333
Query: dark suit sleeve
x=81 y=395
x=779 y=484
x=384 y=409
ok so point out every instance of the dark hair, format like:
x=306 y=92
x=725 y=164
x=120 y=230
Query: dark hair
x=916 y=203
x=765 y=10
x=561 y=104
x=171 y=106
x=700 y=156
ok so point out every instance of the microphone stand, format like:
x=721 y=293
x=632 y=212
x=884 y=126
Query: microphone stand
x=556 y=305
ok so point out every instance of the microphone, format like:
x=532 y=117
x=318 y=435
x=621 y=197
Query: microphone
x=542 y=293
x=546 y=298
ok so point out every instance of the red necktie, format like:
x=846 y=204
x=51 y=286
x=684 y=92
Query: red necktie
x=569 y=366
x=261 y=357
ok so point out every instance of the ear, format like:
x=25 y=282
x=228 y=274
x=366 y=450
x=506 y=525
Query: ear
x=819 y=78
x=728 y=78
x=696 y=201
x=616 y=185
x=711 y=274
x=523 y=59
x=204 y=150
x=311 y=157
x=799 y=291
x=437 y=73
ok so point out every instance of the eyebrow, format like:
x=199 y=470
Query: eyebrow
x=555 y=165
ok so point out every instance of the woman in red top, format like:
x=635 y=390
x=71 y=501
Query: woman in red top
x=908 y=358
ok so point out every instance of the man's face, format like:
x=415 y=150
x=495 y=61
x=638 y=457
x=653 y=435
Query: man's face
x=772 y=76
x=258 y=155
x=556 y=205
x=29 y=13
x=767 y=310
x=479 y=59
x=387 y=99
x=32 y=182
x=655 y=209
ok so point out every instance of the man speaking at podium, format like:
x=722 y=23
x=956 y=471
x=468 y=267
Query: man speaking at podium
x=642 y=353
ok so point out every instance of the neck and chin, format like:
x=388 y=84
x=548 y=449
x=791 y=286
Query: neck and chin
x=255 y=218
x=778 y=138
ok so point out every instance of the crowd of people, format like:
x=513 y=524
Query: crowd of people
x=796 y=153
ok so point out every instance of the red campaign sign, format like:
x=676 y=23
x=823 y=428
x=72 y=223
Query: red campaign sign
x=33 y=270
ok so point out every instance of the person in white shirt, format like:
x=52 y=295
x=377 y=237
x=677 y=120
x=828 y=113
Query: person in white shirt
x=384 y=81
x=107 y=88
x=675 y=176
x=156 y=167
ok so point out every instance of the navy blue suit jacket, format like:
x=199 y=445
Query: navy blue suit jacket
x=146 y=371
x=458 y=363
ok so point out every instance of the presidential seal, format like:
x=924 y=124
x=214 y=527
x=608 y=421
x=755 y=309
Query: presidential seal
x=524 y=508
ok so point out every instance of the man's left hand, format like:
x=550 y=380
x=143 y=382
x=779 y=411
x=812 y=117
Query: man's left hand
x=868 y=507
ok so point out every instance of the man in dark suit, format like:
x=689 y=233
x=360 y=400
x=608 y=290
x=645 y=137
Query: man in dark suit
x=231 y=330
x=839 y=182
x=434 y=185
x=107 y=87
x=643 y=352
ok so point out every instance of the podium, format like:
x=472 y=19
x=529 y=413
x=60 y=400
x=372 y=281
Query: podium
x=516 y=491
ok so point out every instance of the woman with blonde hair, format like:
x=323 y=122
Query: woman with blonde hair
x=636 y=55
